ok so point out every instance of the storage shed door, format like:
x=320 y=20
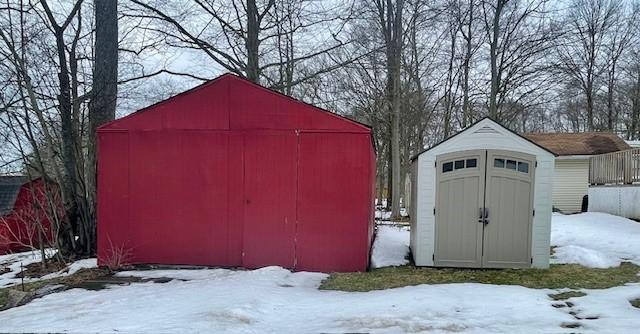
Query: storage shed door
x=460 y=195
x=509 y=203
x=270 y=159
x=484 y=209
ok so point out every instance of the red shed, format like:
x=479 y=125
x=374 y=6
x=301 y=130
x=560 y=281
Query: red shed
x=233 y=174
x=25 y=212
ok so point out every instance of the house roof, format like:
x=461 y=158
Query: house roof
x=582 y=143
x=9 y=189
x=487 y=118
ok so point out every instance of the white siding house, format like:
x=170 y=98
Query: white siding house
x=573 y=150
x=570 y=183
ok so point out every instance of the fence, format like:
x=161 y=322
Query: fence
x=622 y=167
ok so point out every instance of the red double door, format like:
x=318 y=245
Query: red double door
x=246 y=198
x=307 y=200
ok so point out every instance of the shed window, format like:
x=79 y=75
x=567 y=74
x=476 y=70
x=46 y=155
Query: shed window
x=459 y=164
x=447 y=167
x=511 y=164
x=472 y=163
x=499 y=163
x=523 y=167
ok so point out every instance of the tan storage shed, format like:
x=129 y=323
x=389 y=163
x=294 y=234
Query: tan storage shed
x=482 y=199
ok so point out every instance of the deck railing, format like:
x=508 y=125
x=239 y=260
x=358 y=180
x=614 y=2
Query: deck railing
x=622 y=167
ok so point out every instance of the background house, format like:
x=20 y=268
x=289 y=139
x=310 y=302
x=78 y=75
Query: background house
x=24 y=209
x=573 y=150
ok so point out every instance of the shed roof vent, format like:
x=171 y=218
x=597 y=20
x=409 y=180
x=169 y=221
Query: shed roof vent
x=486 y=129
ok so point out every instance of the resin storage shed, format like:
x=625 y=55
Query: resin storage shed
x=233 y=174
x=482 y=199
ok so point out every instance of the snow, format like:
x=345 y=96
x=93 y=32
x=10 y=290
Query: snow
x=611 y=307
x=74 y=267
x=13 y=262
x=596 y=240
x=391 y=247
x=274 y=300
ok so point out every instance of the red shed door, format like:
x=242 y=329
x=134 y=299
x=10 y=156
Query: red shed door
x=334 y=202
x=269 y=199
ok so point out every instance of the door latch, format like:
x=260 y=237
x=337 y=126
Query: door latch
x=483 y=217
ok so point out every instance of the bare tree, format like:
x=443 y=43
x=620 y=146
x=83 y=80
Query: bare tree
x=518 y=34
x=102 y=107
x=582 y=53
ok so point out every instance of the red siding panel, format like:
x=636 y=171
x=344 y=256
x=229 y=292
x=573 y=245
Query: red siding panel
x=113 y=196
x=334 y=201
x=270 y=199
x=235 y=206
x=180 y=203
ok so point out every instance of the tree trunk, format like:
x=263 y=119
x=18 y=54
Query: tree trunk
x=590 y=123
x=389 y=178
x=611 y=117
x=466 y=108
x=252 y=42
x=493 y=51
x=394 y=59
x=635 y=109
x=103 y=104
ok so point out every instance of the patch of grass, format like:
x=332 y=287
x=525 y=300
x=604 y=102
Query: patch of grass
x=567 y=295
x=3 y=297
x=635 y=302
x=557 y=276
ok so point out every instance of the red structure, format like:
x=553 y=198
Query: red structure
x=25 y=212
x=233 y=174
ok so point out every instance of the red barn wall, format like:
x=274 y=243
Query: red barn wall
x=268 y=181
x=19 y=229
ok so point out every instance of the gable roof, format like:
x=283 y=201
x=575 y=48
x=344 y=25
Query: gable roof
x=223 y=83
x=484 y=119
x=582 y=143
x=9 y=189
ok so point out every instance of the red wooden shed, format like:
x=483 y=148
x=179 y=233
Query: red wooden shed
x=233 y=174
x=25 y=212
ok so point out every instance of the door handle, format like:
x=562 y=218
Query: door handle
x=483 y=216
x=486 y=216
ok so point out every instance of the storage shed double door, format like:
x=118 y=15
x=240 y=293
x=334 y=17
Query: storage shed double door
x=484 y=209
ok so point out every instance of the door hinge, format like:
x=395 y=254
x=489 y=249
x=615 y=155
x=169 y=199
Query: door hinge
x=435 y=164
x=433 y=257
x=531 y=260
x=534 y=212
x=434 y=211
x=536 y=164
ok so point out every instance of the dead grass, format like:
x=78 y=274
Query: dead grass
x=566 y=295
x=557 y=276
x=36 y=270
x=67 y=281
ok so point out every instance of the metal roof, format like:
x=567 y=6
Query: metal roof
x=9 y=189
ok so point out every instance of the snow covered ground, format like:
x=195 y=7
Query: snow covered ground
x=391 y=247
x=14 y=261
x=274 y=300
x=597 y=240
